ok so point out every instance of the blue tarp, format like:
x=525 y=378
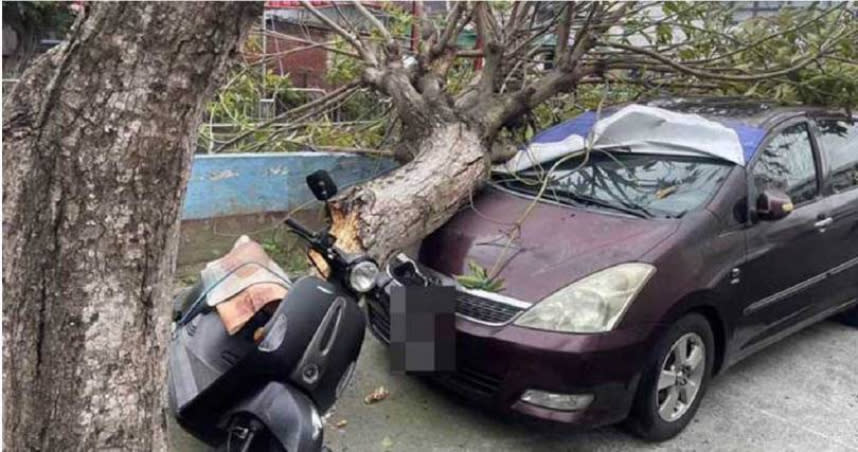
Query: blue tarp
x=749 y=136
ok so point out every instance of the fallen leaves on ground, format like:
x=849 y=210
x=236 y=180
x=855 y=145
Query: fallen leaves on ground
x=342 y=423
x=378 y=395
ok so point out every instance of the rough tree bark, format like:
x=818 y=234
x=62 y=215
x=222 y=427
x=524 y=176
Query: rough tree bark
x=98 y=137
x=397 y=210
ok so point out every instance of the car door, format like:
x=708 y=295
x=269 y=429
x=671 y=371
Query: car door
x=781 y=274
x=838 y=141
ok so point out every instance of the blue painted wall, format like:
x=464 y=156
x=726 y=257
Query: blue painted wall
x=242 y=184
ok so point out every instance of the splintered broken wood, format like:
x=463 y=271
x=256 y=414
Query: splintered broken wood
x=398 y=209
x=345 y=228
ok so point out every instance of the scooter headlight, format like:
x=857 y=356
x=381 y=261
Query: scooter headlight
x=362 y=276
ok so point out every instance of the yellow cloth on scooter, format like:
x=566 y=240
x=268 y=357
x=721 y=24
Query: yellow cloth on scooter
x=246 y=279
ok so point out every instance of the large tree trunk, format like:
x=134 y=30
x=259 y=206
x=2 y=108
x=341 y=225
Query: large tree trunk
x=396 y=210
x=98 y=138
x=451 y=136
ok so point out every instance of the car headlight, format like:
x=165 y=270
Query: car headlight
x=591 y=305
x=362 y=276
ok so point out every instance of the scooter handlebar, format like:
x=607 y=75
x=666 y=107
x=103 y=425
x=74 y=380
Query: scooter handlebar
x=322 y=242
x=299 y=228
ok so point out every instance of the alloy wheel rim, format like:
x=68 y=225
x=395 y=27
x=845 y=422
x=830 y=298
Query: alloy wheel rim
x=681 y=377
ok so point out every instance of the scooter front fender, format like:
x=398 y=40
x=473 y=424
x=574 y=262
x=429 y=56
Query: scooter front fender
x=287 y=413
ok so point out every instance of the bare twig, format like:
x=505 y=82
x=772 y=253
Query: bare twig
x=320 y=102
x=563 y=33
x=725 y=77
x=329 y=46
x=565 y=77
x=487 y=29
x=582 y=32
x=388 y=39
x=447 y=35
x=345 y=19
x=352 y=39
x=498 y=265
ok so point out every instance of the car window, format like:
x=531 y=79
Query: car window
x=839 y=139
x=660 y=185
x=787 y=164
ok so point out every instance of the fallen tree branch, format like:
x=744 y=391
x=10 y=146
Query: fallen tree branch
x=388 y=38
x=344 y=90
x=725 y=77
x=563 y=28
x=354 y=40
x=447 y=35
x=329 y=46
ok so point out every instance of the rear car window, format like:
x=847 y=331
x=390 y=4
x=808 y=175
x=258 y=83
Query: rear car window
x=787 y=164
x=839 y=139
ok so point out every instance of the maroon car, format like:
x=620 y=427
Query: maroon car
x=639 y=274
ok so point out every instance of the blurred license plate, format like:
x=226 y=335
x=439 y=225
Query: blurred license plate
x=422 y=329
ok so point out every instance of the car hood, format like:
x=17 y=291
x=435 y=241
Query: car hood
x=557 y=244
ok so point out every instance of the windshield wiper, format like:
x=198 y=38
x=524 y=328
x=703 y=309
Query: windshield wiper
x=576 y=199
x=639 y=208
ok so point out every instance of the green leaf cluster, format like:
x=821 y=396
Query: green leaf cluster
x=478 y=278
x=239 y=101
x=716 y=34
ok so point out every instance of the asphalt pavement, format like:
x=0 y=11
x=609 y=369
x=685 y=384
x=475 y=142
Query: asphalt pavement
x=798 y=395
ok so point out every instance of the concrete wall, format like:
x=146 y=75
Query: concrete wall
x=242 y=184
x=234 y=194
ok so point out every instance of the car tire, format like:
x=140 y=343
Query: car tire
x=666 y=402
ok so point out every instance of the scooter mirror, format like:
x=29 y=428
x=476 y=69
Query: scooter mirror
x=322 y=186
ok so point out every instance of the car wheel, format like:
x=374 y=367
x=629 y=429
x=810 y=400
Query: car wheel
x=675 y=380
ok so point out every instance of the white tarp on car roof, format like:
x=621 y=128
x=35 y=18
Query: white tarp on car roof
x=639 y=129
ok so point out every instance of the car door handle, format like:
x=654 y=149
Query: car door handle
x=824 y=223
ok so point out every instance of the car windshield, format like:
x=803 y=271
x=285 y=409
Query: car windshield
x=645 y=185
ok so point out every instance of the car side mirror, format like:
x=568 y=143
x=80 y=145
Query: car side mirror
x=774 y=205
x=322 y=186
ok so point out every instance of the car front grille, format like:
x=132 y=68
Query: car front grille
x=483 y=309
x=379 y=319
x=468 y=305
x=466 y=380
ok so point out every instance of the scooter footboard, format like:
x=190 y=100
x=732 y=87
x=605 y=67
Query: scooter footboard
x=288 y=414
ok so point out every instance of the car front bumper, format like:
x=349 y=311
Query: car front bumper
x=497 y=364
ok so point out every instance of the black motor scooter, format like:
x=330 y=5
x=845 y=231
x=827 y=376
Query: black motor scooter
x=238 y=393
